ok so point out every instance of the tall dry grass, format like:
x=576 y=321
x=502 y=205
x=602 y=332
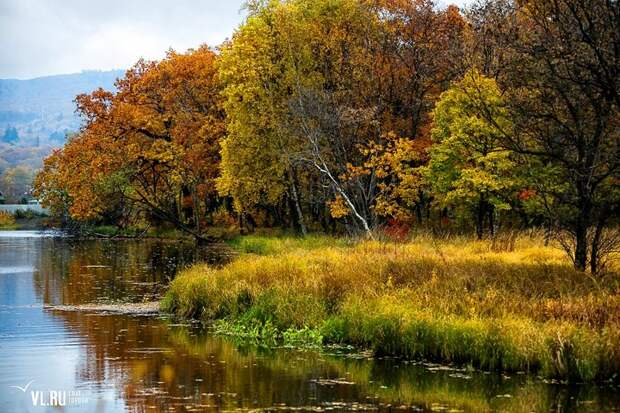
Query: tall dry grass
x=7 y=220
x=518 y=306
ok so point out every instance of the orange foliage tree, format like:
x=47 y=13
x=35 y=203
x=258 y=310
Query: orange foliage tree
x=152 y=146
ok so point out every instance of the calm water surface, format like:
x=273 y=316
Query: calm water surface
x=112 y=363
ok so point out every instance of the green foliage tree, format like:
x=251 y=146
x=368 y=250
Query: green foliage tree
x=469 y=169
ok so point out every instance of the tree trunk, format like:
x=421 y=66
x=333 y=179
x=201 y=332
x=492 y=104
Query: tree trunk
x=300 y=215
x=596 y=243
x=322 y=167
x=418 y=208
x=196 y=209
x=581 y=247
x=581 y=233
x=491 y=214
x=480 y=218
x=548 y=232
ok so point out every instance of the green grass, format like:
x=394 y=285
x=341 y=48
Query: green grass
x=265 y=333
x=453 y=300
x=272 y=245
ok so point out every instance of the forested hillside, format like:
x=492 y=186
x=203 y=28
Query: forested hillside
x=41 y=110
x=35 y=117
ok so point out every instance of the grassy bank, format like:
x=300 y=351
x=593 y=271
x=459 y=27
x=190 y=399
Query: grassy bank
x=22 y=220
x=429 y=386
x=497 y=306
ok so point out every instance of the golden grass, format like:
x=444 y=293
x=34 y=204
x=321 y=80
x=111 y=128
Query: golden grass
x=7 y=220
x=454 y=300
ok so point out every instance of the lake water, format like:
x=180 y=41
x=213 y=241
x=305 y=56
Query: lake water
x=113 y=363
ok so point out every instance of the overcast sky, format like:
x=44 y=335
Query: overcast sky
x=45 y=37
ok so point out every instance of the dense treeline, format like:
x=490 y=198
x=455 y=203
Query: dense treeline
x=358 y=115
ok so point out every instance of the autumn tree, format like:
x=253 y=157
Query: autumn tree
x=313 y=84
x=152 y=145
x=396 y=162
x=258 y=153
x=492 y=27
x=404 y=60
x=16 y=183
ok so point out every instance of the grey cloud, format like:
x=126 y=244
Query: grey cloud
x=44 y=37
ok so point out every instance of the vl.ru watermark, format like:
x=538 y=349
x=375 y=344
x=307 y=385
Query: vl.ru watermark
x=53 y=398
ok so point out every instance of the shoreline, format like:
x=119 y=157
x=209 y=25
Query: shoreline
x=147 y=308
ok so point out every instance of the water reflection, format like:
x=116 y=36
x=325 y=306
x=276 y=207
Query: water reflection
x=159 y=366
x=89 y=271
x=149 y=364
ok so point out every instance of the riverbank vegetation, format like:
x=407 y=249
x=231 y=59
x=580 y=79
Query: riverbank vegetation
x=23 y=220
x=430 y=386
x=354 y=117
x=7 y=221
x=513 y=304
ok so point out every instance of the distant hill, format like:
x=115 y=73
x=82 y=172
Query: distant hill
x=35 y=116
x=42 y=110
